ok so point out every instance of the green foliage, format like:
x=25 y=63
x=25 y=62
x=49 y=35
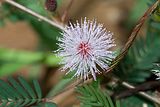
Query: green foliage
x=135 y=101
x=19 y=93
x=139 y=60
x=92 y=96
x=144 y=52
x=13 y=60
x=150 y=2
x=23 y=57
x=26 y=57
x=136 y=65
x=137 y=10
x=156 y=14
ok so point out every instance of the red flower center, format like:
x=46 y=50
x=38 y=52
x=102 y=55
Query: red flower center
x=84 y=49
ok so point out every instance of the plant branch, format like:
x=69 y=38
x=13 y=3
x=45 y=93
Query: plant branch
x=136 y=90
x=143 y=94
x=40 y=17
x=143 y=87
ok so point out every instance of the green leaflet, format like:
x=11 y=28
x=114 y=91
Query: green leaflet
x=92 y=96
x=19 y=94
x=37 y=89
x=27 y=87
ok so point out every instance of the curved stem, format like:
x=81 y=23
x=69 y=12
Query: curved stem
x=40 y=17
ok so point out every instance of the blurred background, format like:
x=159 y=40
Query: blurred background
x=27 y=44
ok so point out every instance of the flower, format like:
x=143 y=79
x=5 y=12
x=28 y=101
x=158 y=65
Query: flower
x=85 y=48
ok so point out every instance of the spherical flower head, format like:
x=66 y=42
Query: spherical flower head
x=85 y=48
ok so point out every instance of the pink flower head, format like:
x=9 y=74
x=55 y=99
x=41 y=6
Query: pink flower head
x=85 y=48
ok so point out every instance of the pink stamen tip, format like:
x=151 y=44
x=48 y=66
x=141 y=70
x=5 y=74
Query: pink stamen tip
x=84 y=49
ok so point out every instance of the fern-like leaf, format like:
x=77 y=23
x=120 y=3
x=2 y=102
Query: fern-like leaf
x=18 y=93
x=92 y=96
x=143 y=53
